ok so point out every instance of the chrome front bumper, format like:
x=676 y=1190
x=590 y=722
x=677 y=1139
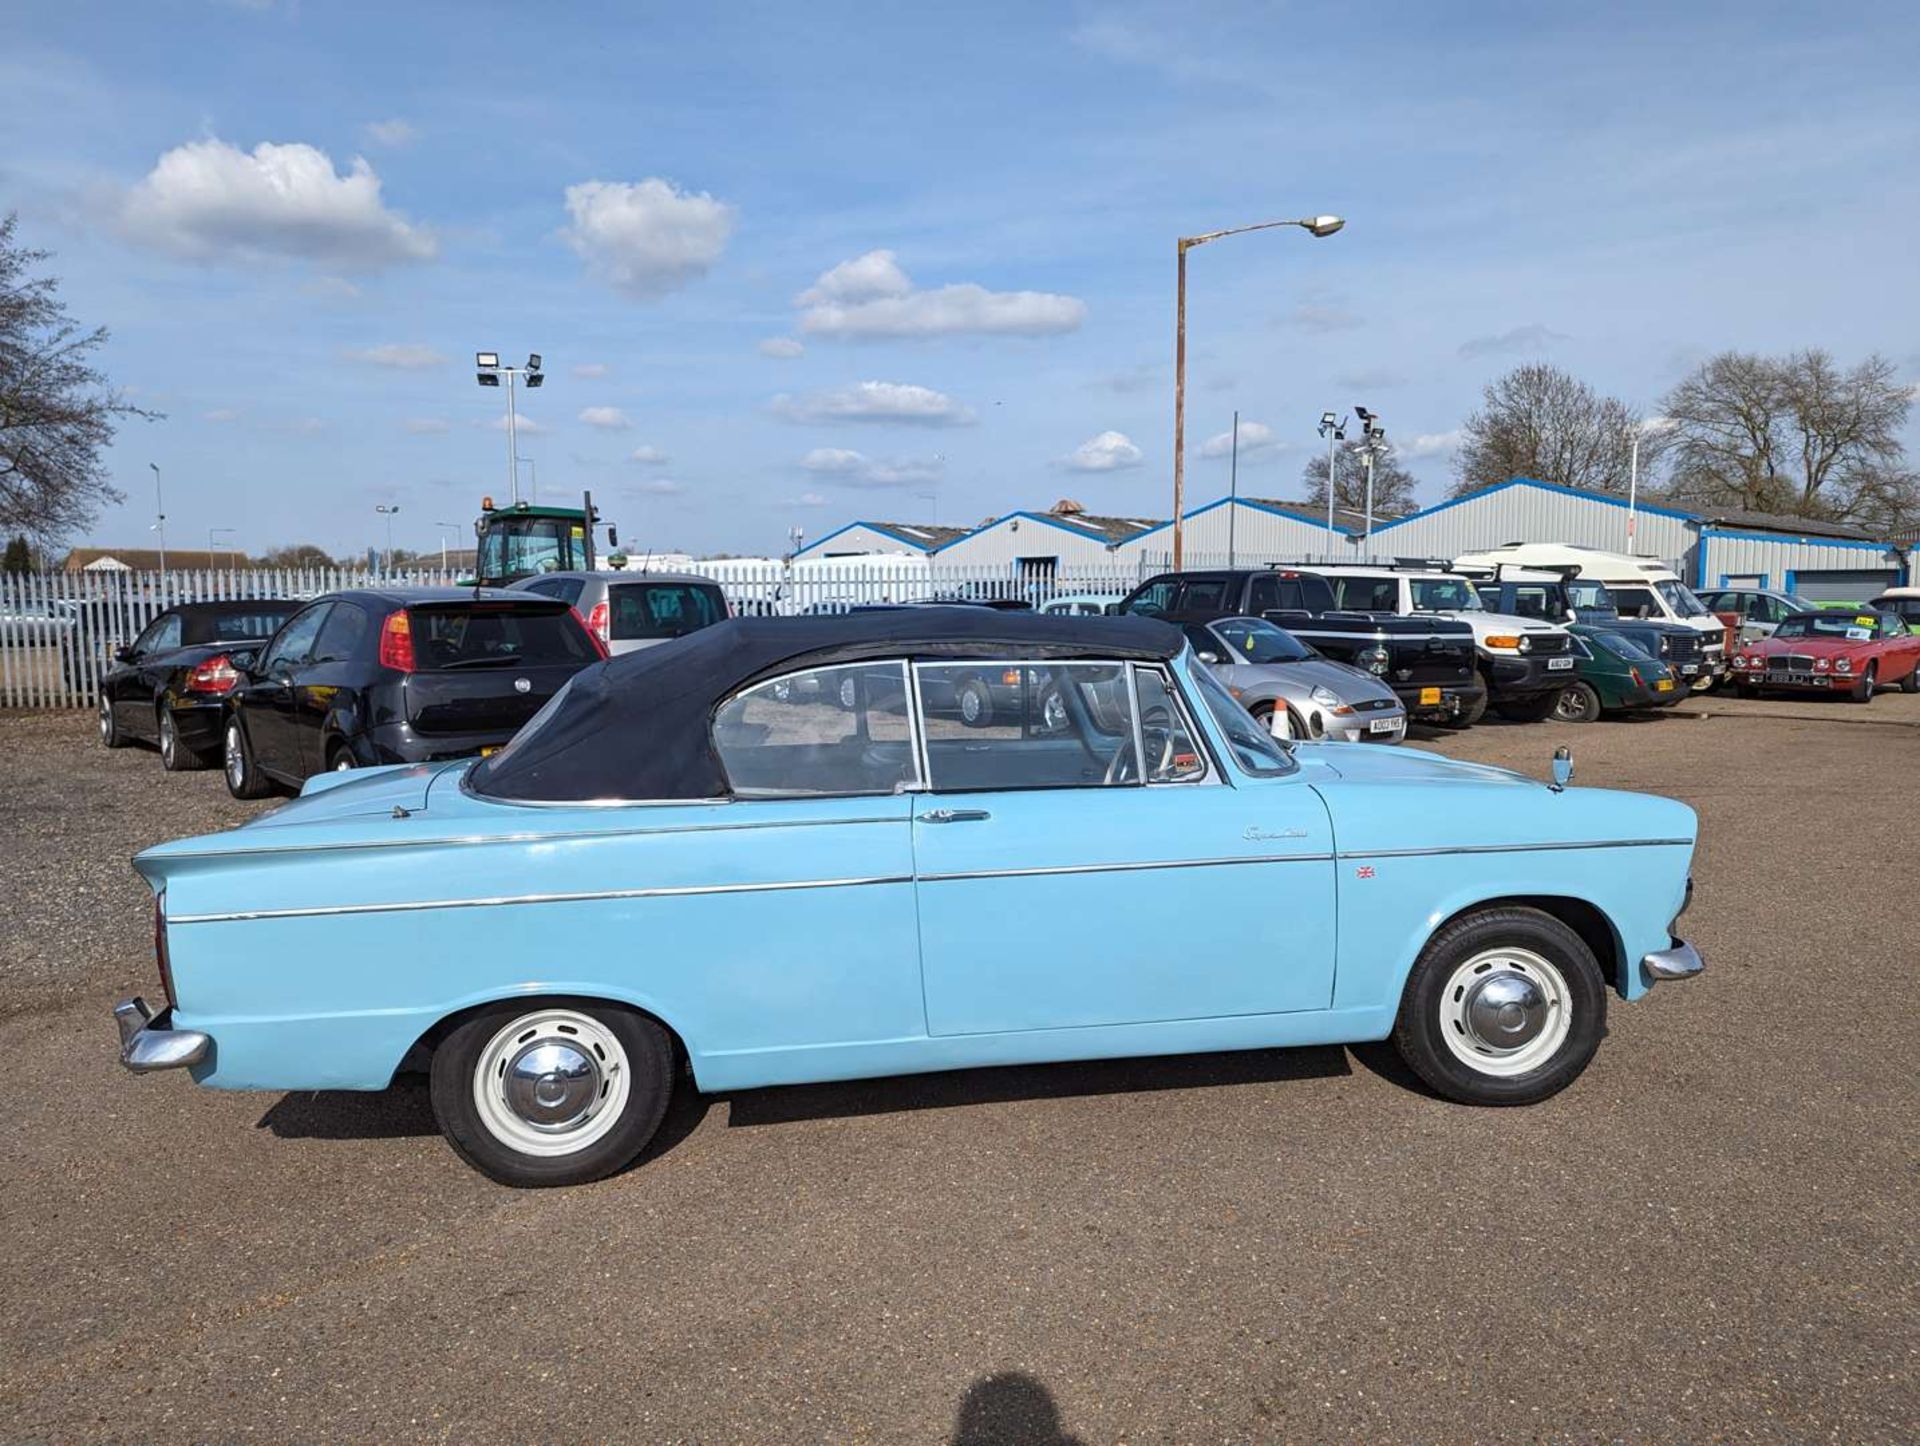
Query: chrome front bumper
x=147 y=1044
x=1682 y=961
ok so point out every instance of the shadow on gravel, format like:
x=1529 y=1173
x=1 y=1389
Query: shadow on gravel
x=789 y=1103
x=1009 y=1409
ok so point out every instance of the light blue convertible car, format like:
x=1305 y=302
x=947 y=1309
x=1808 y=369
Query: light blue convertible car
x=701 y=865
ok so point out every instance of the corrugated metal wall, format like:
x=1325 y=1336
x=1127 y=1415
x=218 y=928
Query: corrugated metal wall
x=1750 y=555
x=1258 y=535
x=1526 y=513
x=1012 y=538
x=856 y=539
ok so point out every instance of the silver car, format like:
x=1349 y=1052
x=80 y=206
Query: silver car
x=1292 y=689
x=629 y=611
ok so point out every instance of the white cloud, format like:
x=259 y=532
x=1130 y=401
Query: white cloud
x=521 y=423
x=661 y=487
x=1108 y=452
x=1432 y=444
x=857 y=469
x=1257 y=441
x=876 y=402
x=427 y=426
x=608 y=419
x=1533 y=337
x=220 y=414
x=648 y=455
x=646 y=238
x=394 y=132
x=587 y=371
x=870 y=296
x=330 y=288
x=407 y=356
x=782 y=348
x=208 y=199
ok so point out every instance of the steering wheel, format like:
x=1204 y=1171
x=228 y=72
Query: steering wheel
x=1156 y=734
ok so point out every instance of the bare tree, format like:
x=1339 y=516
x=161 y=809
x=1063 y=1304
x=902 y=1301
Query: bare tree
x=57 y=412
x=1537 y=421
x=1393 y=484
x=297 y=554
x=1794 y=434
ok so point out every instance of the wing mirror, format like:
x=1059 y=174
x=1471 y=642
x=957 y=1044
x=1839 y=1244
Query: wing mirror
x=123 y=654
x=1562 y=769
x=1208 y=657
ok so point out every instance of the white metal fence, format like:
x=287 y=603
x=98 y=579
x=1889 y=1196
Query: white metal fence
x=58 y=630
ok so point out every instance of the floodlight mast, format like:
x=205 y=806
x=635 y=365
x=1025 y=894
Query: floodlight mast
x=488 y=372
x=1334 y=430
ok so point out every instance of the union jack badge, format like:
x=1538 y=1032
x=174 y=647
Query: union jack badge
x=1365 y=871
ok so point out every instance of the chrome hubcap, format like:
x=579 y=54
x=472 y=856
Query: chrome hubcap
x=1505 y=1011
x=970 y=705
x=551 y=1084
x=236 y=759
x=166 y=736
x=106 y=719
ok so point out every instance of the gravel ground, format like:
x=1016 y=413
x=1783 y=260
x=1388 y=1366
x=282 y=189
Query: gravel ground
x=1712 y=1235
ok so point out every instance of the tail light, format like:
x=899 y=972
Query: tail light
x=160 y=946
x=396 y=642
x=214 y=675
x=600 y=621
x=1638 y=681
x=595 y=626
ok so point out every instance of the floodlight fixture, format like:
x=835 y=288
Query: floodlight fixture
x=486 y=359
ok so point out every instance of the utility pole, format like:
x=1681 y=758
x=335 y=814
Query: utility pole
x=1233 y=489
x=160 y=520
x=488 y=371
x=1333 y=431
x=1375 y=435
x=389 y=513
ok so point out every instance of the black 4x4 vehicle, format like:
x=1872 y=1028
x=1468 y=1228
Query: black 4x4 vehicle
x=1427 y=661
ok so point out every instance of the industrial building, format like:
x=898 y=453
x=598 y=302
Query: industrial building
x=901 y=539
x=1064 y=538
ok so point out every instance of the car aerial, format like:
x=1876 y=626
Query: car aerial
x=169 y=685
x=1523 y=662
x=1428 y=661
x=672 y=874
x=396 y=675
x=1856 y=653
x=1903 y=603
x=1759 y=610
x=1293 y=691
x=1560 y=595
x=1641 y=587
x=1080 y=604
x=1614 y=674
x=628 y=611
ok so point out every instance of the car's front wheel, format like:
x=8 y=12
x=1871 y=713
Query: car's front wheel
x=244 y=778
x=1504 y=1007
x=976 y=703
x=1577 y=703
x=1863 y=690
x=110 y=734
x=555 y=1092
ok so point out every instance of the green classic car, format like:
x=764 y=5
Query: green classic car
x=1613 y=674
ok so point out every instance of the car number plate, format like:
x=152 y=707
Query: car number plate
x=1665 y=685
x=1555 y=664
x=1687 y=670
x=1801 y=680
x=1430 y=697
x=1385 y=725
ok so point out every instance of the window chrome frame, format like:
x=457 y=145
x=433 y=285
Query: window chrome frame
x=915 y=751
x=1133 y=708
x=1210 y=770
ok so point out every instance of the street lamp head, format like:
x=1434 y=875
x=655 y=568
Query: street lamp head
x=534 y=379
x=1366 y=417
x=154 y=465
x=533 y=361
x=488 y=379
x=486 y=359
x=1325 y=225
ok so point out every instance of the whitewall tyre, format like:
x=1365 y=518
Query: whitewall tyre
x=552 y=1092
x=1504 y=1007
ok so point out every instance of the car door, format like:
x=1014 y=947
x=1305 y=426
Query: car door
x=331 y=686
x=269 y=700
x=134 y=685
x=1059 y=888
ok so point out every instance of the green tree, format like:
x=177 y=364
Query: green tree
x=19 y=557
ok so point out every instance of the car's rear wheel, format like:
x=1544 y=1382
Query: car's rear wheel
x=1504 y=1007
x=340 y=757
x=1863 y=690
x=554 y=1092
x=244 y=778
x=1704 y=683
x=1577 y=703
x=110 y=734
x=176 y=756
x=1912 y=685
x=975 y=700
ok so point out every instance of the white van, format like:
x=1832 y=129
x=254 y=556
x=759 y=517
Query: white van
x=1641 y=586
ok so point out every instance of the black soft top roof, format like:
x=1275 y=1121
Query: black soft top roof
x=637 y=726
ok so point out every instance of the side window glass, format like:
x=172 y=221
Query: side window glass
x=1263 y=595
x=1203 y=595
x=821 y=733
x=1154 y=600
x=1203 y=641
x=1173 y=755
x=340 y=639
x=1026 y=725
x=162 y=635
x=296 y=639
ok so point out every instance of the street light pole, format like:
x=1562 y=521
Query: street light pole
x=213 y=546
x=488 y=371
x=1233 y=489
x=445 y=527
x=160 y=519
x=1315 y=225
x=534 y=472
x=1375 y=435
x=1333 y=431
x=389 y=513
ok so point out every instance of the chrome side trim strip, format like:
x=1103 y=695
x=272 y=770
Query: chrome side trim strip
x=1618 y=843
x=416 y=906
x=465 y=840
x=1125 y=868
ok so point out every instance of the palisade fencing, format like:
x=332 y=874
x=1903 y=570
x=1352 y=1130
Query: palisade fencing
x=58 y=630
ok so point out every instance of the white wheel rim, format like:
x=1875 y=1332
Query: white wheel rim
x=236 y=759
x=551 y=1083
x=1505 y=1012
x=970 y=709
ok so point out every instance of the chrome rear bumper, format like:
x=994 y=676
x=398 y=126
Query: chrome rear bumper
x=147 y=1044
x=1682 y=961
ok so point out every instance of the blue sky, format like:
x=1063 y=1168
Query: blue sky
x=790 y=265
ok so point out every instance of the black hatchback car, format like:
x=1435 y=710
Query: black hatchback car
x=169 y=685
x=397 y=676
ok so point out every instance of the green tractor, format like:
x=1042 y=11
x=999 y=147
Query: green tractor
x=524 y=539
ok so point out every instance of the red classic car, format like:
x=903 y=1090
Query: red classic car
x=1853 y=652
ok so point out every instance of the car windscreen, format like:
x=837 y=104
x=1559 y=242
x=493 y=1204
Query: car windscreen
x=527 y=545
x=1621 y=647
x=1252 y=640
x=482 y=635
x=662 y=609
x=1443 y=594
x=1255 y=749
x=1591 y=598
x=238 y=626
x=1366 y=594
x=1831 y=626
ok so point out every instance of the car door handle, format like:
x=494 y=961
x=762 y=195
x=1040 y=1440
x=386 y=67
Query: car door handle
x=954 y=815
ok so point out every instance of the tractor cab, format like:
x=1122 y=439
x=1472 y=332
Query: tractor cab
x=524 y=539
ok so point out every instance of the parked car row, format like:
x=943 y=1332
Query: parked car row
x=563 y=933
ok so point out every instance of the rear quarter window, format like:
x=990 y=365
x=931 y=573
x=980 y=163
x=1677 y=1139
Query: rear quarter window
x=478 y=637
